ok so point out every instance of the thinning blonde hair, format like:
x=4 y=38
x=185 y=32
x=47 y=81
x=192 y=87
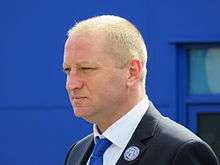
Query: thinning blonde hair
x=122 y=39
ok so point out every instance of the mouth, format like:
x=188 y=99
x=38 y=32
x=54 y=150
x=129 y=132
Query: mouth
x=78 y=97
x=79 y=101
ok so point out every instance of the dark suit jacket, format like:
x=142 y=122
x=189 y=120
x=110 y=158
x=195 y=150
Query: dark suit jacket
x=161 y=142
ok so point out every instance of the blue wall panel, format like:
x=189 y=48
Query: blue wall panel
x=36 y=121
x=38 y=135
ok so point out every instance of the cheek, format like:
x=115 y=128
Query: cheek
x=115 y=86
x=107 y=85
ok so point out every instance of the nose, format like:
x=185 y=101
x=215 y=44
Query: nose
x=73 y=82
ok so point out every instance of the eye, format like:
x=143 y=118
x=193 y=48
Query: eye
x=87 y=68
x=67 y=70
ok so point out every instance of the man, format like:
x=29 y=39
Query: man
x=105 y=62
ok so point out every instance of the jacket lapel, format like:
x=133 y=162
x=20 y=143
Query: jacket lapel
x=86 y=151
x=141 y=138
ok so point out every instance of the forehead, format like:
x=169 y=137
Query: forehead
x=83 y=48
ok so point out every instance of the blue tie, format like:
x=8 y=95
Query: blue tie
x=98 y=151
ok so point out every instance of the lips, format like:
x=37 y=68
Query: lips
x=78 y=97
x=78 y=101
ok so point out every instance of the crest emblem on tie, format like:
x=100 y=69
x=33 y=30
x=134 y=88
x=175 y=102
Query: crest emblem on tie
x=131 y=153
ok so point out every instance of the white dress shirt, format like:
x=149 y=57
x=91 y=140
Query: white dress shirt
x=120 y=132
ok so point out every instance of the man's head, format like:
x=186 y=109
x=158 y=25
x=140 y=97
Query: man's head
x=105 y=62
x=122 y=40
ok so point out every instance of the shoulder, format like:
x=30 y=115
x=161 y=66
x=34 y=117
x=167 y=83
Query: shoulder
x=181 y=144
x=174 y=131
x=173 y=135
x=78 y=148
x=196 y=151
x=166 y=130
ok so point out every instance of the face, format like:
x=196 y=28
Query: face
x=96 y=87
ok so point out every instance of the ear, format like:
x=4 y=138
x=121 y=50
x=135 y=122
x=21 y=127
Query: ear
x=134 y=72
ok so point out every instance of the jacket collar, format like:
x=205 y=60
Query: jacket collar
x=143 y=134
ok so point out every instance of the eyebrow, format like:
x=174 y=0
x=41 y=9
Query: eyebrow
x=65 y=65
x=84 y=63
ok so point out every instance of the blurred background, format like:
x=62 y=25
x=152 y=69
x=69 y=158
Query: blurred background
x=37 y=124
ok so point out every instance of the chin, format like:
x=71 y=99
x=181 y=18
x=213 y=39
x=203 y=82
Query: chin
x=85 y=114
x=81 y=112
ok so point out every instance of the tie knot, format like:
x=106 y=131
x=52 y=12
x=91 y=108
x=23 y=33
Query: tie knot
x=100 y=146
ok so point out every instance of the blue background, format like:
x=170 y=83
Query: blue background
x=37 y=125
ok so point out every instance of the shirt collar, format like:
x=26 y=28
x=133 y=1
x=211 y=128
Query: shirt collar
x=120 y=132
